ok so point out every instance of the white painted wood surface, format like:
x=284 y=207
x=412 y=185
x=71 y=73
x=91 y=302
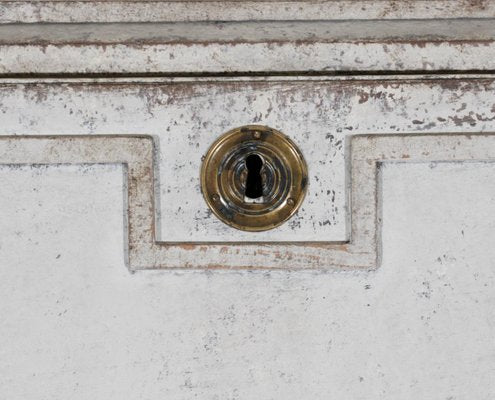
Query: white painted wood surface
x=248 y=47
x=186 y=115
x=166 y=11
x=76 y=324
x=361 y=252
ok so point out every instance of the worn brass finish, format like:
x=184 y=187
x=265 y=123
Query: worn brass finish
x=283 y=176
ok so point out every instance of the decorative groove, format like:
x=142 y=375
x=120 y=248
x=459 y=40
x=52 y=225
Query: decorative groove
x=362 y=252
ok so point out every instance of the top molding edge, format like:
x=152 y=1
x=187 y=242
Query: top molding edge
x=270 y=10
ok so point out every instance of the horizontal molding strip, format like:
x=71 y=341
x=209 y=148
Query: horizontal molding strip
x=168 y=11
x=248 y=47
x=245 y=58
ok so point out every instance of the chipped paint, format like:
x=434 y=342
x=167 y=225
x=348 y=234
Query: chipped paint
x=166 y=11
x=186 y=115
x=247 y=47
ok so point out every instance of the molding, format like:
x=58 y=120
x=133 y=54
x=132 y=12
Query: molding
x=274 y=47
x=171 y=11
x=144 y=252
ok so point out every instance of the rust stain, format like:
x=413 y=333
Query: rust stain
x=466 y=119
x=363 y=97
x=224 y=250
x=187 y=246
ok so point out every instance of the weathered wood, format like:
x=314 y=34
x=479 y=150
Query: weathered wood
x=166 y=11
x=186 y=115
x=248 y=47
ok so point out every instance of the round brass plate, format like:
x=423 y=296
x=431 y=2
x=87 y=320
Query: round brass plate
x=260 y=193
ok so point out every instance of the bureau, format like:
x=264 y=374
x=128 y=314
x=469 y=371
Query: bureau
x=127 y=276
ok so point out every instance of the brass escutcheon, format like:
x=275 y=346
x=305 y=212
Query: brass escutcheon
x=254 y=178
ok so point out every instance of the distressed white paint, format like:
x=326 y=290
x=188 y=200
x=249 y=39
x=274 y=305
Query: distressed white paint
x=468 y=30
x=164 y=11
x=186 y=115
x=362 y=251
x=252 y=46
x=76 y=325
x=244 y=57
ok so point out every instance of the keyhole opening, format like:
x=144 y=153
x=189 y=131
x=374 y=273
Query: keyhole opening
x=254 y=185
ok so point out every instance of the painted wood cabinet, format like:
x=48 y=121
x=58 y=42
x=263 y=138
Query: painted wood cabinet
x=120 y=282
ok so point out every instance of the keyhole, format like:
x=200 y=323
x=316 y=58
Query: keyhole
x=254 y=186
